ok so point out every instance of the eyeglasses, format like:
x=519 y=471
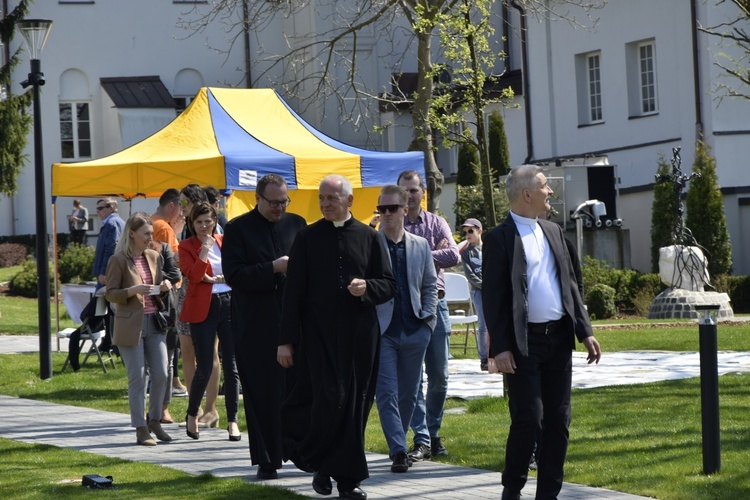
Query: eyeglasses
x=389 y=208
x=99 y=209
x=469 y=231
x=276 y=203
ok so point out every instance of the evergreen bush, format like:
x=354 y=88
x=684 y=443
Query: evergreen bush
x=23 y=283
x=498 y=146
x=663 y=213
x=705 y=213
x=470 y=203
x=468 y=165
x=76 y=264
x=601 y=302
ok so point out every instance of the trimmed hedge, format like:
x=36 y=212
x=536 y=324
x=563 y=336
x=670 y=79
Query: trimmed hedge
x=12 y=254
x=601 y=302
x=738 y=289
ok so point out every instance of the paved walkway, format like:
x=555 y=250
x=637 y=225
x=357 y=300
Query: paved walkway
x=60 y=425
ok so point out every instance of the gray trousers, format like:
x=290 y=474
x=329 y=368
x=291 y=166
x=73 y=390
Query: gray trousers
x=148 y=357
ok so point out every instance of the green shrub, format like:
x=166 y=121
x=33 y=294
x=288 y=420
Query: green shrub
x=738 y=289
x=12 y=254
x=470 y=203
x=23 y=283
x=76 y=264
x=468 y=165
x=633 y=290
x=601 y=302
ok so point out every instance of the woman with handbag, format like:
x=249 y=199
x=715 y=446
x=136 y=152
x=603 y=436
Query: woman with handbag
x=207 y=308
x=134 y=282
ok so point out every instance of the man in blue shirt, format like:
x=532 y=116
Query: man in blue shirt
x=109 y=235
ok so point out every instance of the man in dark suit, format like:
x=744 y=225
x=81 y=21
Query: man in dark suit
x=534 y=311
x=254 y=259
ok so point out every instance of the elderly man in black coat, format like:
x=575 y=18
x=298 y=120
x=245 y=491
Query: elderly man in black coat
x=255 y=254
x=338 y=272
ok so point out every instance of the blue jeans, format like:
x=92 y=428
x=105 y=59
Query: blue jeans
x=399 y=377
x=482 y=337
x=203 y=334
x=428 y=414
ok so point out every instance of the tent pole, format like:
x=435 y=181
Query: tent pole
x=54 y=265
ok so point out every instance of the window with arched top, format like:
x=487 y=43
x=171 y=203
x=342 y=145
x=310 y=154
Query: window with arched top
x=187 y=83
x=75 y=115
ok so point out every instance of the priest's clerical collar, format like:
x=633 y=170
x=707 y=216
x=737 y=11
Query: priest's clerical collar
x=519 y=219
x=340 y=223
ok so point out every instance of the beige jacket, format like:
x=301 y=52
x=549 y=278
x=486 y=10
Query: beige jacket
x=128 y=311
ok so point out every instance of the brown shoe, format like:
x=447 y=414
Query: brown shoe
x=143 y=436
x=155 y=427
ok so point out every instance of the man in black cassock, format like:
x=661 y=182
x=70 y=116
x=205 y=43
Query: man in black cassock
x=254 y=259
x=338 y=272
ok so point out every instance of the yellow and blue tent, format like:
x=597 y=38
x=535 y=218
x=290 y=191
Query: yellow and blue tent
x=230 y=138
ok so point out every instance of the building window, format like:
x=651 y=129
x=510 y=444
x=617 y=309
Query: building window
x=181 y=103
x=589 y=88
x=595 y=88
x=648 y=77
x=75 y=130
x=640 y=61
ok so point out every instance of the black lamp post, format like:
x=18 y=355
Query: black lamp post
x=35 y=33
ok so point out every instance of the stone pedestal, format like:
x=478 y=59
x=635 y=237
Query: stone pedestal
x=679 y=303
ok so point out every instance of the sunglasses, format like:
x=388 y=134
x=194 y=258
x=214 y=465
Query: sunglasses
x=99 y=209
x=389 y=208
x=184 y=203
x=469 y=231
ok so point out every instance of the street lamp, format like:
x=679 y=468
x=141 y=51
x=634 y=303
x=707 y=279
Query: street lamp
x=35 y=32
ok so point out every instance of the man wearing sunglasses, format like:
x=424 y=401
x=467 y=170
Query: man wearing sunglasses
x=109 y=235
x=406 y=323
x=428 y=415
x=254 y=259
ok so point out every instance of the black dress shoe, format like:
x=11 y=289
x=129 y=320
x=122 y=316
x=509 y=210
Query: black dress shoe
x=420 y=452
x=355 y=493
x=267 y=472
x=322 y=484
x=400 y=462
x=510 y=494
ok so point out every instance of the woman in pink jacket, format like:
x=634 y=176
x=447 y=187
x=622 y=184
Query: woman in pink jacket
x=207 y=308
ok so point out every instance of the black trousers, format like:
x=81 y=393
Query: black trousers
x=539 y=403
x=203 y=335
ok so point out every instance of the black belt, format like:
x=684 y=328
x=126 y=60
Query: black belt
x=222 y=294
x=547 y=328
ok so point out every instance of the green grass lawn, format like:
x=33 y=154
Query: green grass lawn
x=643 y=439
x=42 y=471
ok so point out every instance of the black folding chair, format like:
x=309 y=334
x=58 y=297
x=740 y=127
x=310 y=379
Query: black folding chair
x=91 y=329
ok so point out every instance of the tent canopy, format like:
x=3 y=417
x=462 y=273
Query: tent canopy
x=230 y=138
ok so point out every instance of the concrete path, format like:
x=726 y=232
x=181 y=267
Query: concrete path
x=59 y=425
x=107 y=433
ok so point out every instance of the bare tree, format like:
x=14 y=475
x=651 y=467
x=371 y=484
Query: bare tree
x=735 y=35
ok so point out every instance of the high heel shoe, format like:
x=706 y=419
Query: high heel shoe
x=196 y=434
x=233 y=437
x=212 y=422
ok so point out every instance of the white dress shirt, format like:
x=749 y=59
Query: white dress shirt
x=544 y=296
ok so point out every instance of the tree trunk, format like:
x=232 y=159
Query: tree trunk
x=422 y=130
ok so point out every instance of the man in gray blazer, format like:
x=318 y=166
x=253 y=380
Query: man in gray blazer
x=534 y=310
x=406 y=323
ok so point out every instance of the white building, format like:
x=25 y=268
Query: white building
x=118 y=63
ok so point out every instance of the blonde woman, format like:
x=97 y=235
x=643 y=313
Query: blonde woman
x=134 y=280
